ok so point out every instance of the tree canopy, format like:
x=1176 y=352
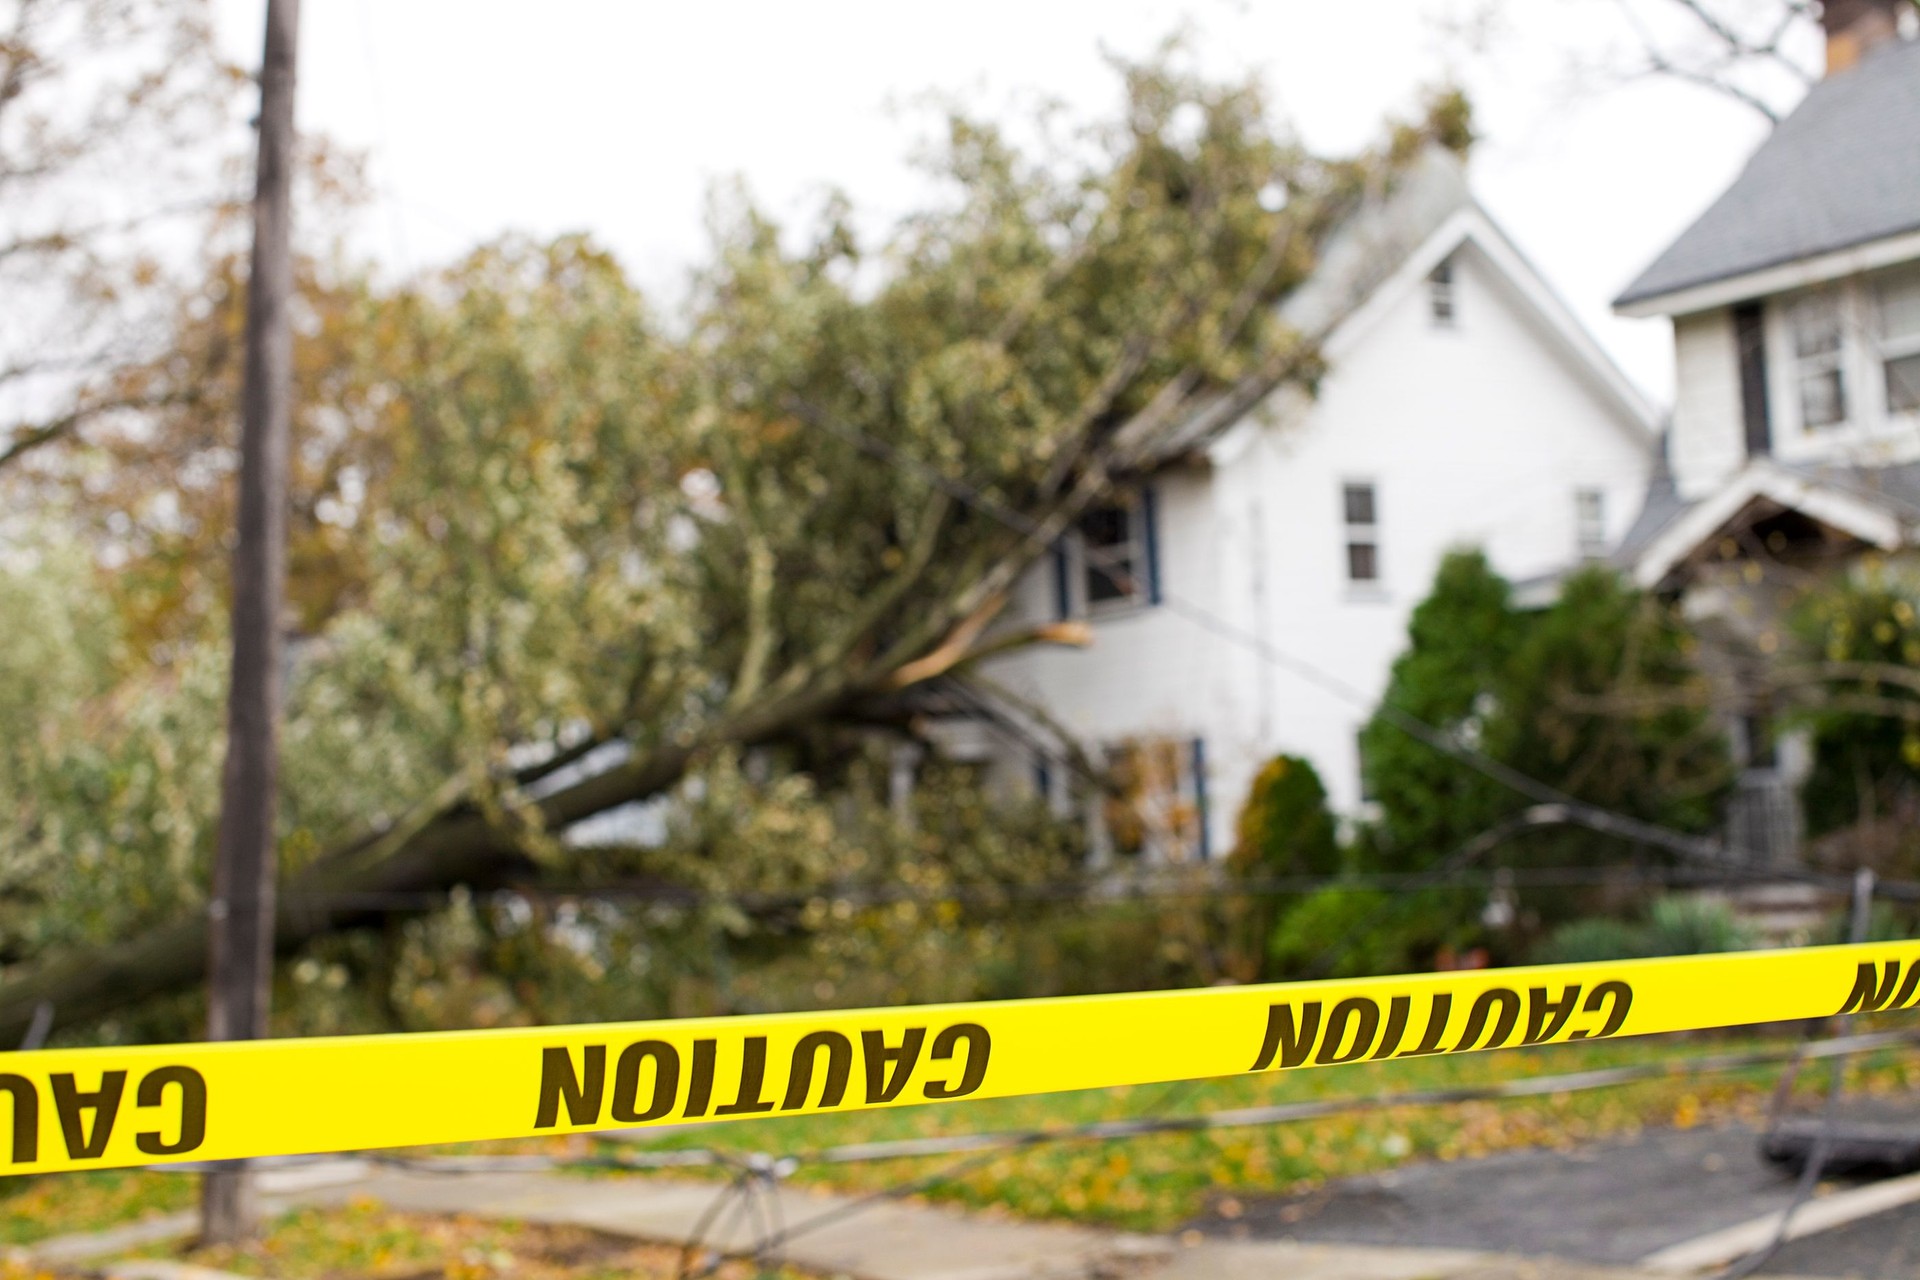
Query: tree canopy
x=540 y=526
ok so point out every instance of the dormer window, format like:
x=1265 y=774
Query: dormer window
x=1899 y=339
x=1817 y=328
x=1440 y=299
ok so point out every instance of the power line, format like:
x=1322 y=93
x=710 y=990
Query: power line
x=1111 y=890
x=989 y=1146
x=760 y=1173
x=1863 y=888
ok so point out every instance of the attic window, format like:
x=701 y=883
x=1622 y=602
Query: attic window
x=1819 y=351
x=1590 y=523
x=1440 y=300
x=1363 y=533
x=1899 y=337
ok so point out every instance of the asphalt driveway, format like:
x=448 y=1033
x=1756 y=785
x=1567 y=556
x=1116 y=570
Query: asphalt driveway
x=1609 y=1203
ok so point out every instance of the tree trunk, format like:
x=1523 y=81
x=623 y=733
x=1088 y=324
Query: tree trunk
x=342 y=889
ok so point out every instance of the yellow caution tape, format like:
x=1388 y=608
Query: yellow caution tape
x=102 y=1108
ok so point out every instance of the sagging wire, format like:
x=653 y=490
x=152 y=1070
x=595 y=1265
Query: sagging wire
x=1816 y=1160
x=751 y=1193
x=754 y=1187
x=1696 y=849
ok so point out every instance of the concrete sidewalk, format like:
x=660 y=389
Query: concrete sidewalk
x=882 y=1240
x=898 y=1240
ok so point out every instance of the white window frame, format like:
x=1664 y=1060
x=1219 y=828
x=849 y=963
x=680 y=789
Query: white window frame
x=1590 y=541
x=1138 y=568
x=1821 y=362
x=1889 y=347
x=1443 y=295
x=1866 y=347
x=1174 y=816
x=1360 y=533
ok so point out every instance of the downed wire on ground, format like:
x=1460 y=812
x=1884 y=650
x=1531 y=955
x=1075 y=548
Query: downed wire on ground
x=1239 y=1117
x=755 y=1178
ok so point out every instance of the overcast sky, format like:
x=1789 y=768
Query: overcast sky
x=616 y=116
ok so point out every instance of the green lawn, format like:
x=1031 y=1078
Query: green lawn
x=1159 y=1181
x=33 y=1208
x=364 y=1241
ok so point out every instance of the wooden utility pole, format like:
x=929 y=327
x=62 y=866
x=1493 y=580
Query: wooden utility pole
x=240 y=974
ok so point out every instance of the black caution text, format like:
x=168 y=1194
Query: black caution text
x=1363 y=1028
x=170 y=1103
x=647 y=1080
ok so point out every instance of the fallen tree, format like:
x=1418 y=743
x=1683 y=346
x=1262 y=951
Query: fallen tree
x=687 y=546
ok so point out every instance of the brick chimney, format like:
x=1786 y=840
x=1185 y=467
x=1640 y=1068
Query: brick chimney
x=1854 y=27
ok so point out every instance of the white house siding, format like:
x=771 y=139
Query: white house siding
x=1708 y=443
x=1475 y=435
x=1151 y=672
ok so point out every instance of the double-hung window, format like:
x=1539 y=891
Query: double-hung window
x=1816 y=324
x=1157 y=806
x=1361 y=511
x=1112 y=562
x=1590 y=523
x=1112 y=545
x=1898 y=299
x=1440 y=296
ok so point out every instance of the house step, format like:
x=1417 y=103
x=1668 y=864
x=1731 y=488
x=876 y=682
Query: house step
x=1780 y=913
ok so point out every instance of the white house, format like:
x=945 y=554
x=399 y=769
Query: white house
x=1271 y=562
x=1795 y=303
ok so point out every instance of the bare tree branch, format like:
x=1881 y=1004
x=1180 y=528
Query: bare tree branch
x=1725 y=53
x=67 y=424
x=1658 y=64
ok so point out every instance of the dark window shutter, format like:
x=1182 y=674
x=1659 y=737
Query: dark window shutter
x=1750 y=337
x=1200 y=797
x=1062 y=584
x=1150 y=538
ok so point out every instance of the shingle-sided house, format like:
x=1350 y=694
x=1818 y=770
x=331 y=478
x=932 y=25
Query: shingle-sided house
x=1266 y=565
x=1795 y=440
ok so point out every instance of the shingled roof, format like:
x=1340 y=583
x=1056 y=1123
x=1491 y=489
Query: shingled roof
x=1842 y=170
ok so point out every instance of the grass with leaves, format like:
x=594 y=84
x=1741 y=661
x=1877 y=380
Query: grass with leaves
x=51 y=1204
x=365 y=1241
x=1157 y=1182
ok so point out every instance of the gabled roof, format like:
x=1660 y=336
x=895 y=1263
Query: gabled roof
x=1841 y=172
x=1362 y=255
x=1880 y=506
x=1389 y=246
x=1660 y=508
x=1380 y=238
